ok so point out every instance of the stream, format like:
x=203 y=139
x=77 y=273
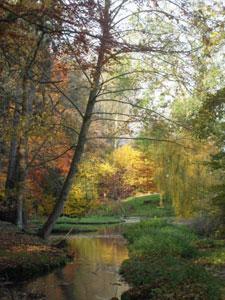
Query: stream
x=92 y=275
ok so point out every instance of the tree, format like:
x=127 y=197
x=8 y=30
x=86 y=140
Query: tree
x=106 y=38
x=21 y=64
x=25 y=43
x=126 y=172
x=209 y=124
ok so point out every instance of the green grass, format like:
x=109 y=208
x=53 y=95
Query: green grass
x=164 y=264
x=91 y=220
x=142 y=206
x=212 y=254
x=76 y=228
x=113 y=213
x=77 y=225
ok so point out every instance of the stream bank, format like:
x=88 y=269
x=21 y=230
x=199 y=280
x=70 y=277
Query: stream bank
x=169 y=261
x=93 y=274
x=24 y=256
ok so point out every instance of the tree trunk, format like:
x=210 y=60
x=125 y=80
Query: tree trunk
x=13 y=162
x=161 y=204
x=4 y=110
x=22 y=156
x=58 y=208
x=17 y=166
x=21 y=182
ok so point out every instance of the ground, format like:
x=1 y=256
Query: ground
x=23 y=256
x=167 y=260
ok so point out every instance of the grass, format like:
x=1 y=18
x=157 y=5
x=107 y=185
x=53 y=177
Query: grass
x=85 y=224
x=113 y=213
x=77 y=225
x=212 y=255
x=76 y=228
x=166 y=260
x=91 y=220
x=165 y=263
x=141 y=206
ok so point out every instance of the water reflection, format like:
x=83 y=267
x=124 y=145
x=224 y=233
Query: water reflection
x=93 y=275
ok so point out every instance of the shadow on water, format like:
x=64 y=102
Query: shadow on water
x=92 y=275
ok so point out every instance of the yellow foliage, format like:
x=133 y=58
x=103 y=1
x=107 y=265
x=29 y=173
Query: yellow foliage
x=137 y=168
x=125 y=166
x=84 y=192
x=182 y=174
x=77 y=203
x=106 y=168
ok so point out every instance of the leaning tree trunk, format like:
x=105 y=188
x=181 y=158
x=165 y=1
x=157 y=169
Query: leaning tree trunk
x=58 y=208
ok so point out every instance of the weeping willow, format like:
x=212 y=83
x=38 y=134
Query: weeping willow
x=182 y=174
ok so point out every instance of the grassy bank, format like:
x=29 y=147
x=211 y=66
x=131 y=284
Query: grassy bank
x=77 y=225
x=24 y=256
x=142 y=206
x=85 y=224
x=168 y=261
x=111 y=213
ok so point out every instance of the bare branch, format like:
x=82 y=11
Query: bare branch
x=118 y=91
x=54 y=158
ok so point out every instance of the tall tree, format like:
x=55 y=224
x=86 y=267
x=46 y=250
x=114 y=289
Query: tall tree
x=105 y=37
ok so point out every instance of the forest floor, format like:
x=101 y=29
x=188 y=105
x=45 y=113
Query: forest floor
x=24 y=256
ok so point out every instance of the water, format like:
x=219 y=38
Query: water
x=92 y=275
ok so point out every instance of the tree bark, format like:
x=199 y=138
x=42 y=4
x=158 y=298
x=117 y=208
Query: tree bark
x=58 y=208
x=161 y=202
x=12 y=161
x=4 y=109
x=17 y=166
x=22 y=156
